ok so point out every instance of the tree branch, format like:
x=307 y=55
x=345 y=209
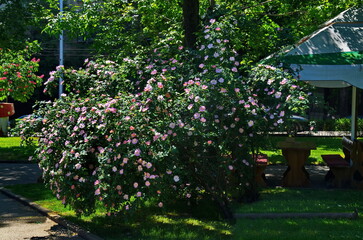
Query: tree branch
x=260 y=4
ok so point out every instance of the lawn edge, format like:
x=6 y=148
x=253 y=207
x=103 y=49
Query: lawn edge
x=51 y=215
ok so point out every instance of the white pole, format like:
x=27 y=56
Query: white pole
x=61 y=50
x=354 y=114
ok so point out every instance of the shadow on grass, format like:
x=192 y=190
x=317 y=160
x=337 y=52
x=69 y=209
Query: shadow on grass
x=305 y=200
x=153 y=225
x=16 y=154
x=177 y=221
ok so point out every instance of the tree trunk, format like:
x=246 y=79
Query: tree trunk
x=190 y=22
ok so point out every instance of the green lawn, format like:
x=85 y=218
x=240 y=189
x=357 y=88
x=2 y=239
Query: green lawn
x=12 y=151
x=149 y=223
x=284 y=200
x=176 y=224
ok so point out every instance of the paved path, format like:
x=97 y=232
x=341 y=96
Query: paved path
x=19 y=222
x=274 y=175
x=18 y=173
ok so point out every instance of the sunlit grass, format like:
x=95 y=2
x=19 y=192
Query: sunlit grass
x=150 y=223
x=305 y=200
x=12 y=151
x=298 y=229
x=175 y=224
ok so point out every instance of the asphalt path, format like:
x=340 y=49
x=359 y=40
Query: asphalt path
x=19 y=222
x=18 y=173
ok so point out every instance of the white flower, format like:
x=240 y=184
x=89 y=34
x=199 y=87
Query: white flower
x=278 y=94
x=250 y=123
x=176 y=178
x=78 y=166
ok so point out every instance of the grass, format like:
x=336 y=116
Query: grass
x=12 y=151
x=192 y=223
x=302 y=200
x=150 y=223
x=305 y=200
x=298 y=229
x=324 y=145
x=174 y=224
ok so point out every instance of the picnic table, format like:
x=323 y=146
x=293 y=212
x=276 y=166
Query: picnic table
x=296 y=154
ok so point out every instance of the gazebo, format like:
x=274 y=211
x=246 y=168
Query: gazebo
x=332 y=56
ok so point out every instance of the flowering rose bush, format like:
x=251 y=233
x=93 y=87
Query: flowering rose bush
x=18 y=77
x=175 y=129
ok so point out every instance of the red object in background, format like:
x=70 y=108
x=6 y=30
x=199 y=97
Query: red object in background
x=6 y=109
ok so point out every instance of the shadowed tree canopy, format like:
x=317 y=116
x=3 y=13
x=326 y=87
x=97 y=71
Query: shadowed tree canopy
x=256 y=27
x=18 y=19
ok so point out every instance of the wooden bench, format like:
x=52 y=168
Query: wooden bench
x=261 y=161
x=340 y=167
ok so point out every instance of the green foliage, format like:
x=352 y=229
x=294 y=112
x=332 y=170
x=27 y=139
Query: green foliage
x=18 y=77
x=17 y=19
x=118 y=27
x=185 y=129
x=256 y=28
x=339 y=124
x=102 y=77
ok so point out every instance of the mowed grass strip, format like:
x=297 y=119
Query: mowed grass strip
x=286 y=200
x=148 y=223
x=198 y=223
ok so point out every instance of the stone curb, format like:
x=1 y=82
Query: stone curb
x=52 y=215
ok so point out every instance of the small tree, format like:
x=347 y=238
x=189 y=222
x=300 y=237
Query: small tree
x=18 y=78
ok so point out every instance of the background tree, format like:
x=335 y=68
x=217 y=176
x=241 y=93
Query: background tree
x=18 y=22
x=257 y=28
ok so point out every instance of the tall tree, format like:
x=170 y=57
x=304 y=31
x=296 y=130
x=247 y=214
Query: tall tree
x=190 y=22
x=18 y=21
x=256 y=27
